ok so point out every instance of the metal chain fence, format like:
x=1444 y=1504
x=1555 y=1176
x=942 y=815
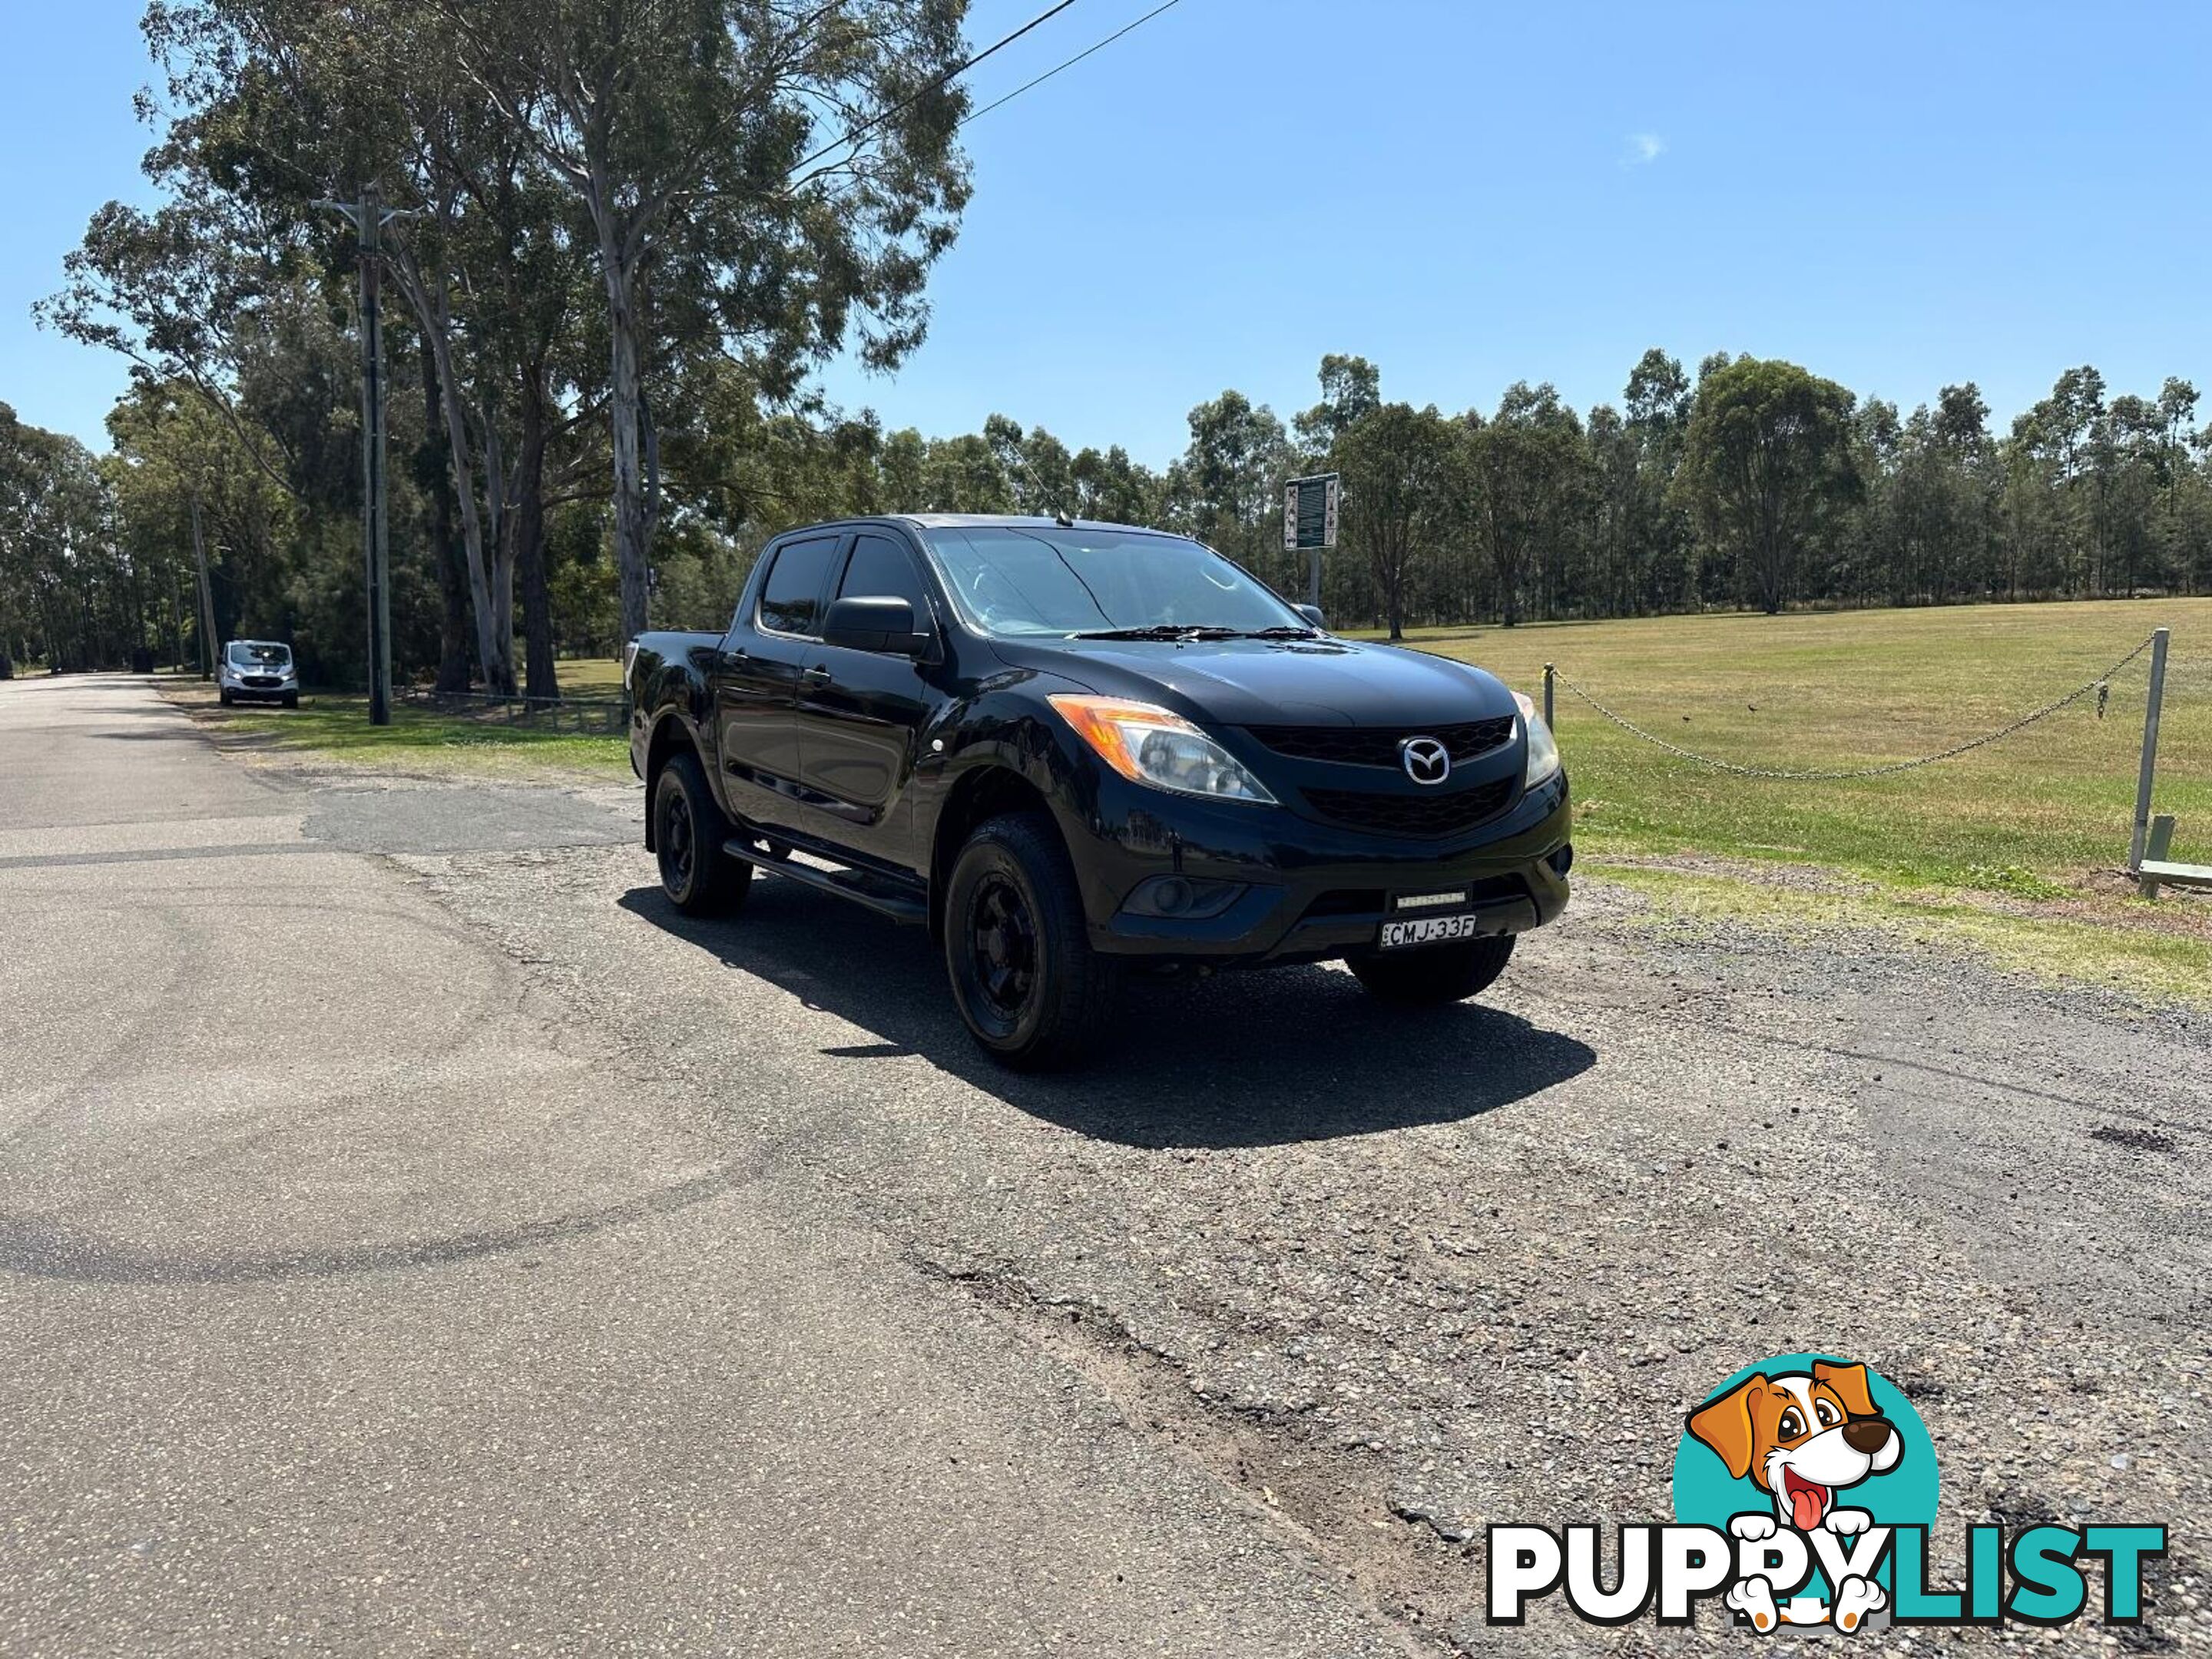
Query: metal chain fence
x=579 y=713
x=2097 y=684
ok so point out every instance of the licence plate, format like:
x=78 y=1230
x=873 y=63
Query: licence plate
x=1428 y=930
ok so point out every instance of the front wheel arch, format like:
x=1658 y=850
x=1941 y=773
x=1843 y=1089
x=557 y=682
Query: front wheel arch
x=978 y=795
x=1028 y=985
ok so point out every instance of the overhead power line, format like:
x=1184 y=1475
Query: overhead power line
x=853 y=135
x=1096 y=46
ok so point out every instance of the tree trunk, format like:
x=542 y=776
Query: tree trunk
x=436 y=476
x=495 y=655
x=499 y=551
x=633 y=530
x=539 y=680
x=491 y=657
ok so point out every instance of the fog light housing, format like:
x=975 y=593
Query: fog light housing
x=1562 y=859
x=1181 y=898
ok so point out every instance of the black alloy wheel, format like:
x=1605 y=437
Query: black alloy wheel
x=1017 y=948
x=688 y=832
x=1002 y=936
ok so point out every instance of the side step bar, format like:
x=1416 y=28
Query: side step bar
x=875 y=893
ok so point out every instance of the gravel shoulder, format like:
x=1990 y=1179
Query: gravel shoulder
x=1398 y=1280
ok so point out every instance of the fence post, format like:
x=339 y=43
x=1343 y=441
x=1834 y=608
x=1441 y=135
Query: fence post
x=1547 y=695
x=2149 y=749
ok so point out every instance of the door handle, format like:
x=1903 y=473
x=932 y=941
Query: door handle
x=817 y=673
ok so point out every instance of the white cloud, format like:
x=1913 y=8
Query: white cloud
x=1643 y=149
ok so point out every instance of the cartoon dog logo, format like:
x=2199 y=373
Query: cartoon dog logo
x=1801 y=1438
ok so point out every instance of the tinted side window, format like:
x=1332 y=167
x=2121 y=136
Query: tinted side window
x=881 y=569
x=791 y=599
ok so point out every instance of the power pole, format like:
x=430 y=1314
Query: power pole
x=369 y=217
x=206 y=595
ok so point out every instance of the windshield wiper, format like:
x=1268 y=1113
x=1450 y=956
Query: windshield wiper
x=1282 y=634
x=1161 y=631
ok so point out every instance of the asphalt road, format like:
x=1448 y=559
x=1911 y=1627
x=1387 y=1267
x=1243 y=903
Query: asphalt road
x=415 y=1237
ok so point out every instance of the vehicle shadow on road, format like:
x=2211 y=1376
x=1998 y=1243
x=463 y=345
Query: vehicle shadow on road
x=1240 y=1059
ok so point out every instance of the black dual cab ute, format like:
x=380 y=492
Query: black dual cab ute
x=1070 y=750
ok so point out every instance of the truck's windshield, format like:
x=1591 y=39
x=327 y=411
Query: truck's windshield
x=1034 y=582
x=258 y=653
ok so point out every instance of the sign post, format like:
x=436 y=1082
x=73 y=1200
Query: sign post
x=1309 y=522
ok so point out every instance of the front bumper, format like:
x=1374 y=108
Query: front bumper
x=243 y=693
x=1312 y=892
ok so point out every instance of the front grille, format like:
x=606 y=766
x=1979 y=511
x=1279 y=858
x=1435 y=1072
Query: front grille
x=1414 y=815
x=1377 y=745
x=268 y=681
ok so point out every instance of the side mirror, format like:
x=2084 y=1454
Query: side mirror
x=874 y=624
x=1312 y=614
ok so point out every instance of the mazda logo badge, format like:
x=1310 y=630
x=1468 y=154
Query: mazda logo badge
x=1425 y=760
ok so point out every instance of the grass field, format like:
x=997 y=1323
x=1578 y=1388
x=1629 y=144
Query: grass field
x=2035 y=814
x=2012 y=851
x=589 y=677
x=334 y=726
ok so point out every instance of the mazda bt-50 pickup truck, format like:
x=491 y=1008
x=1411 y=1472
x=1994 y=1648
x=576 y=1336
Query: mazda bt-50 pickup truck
x=1068 y=748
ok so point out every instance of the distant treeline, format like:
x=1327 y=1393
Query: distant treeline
x=1754 y=485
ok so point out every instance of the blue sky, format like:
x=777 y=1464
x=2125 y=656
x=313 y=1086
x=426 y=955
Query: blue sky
x=1896 y=196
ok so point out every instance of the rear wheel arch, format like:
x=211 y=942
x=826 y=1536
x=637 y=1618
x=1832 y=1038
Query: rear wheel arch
x=670 y=736
x=697 y=875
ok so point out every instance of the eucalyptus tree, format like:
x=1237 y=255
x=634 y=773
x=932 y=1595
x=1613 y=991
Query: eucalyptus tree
x=1350 y=387
x=1535 y=482
x=2060 y=431
x=282 y=106
x=777 y=177
x=1110 y=486
x=1224 y=488
x=1661 y=541
x=65 y=581
x=1395 y=462
x=1766 y=455
x=186 y=293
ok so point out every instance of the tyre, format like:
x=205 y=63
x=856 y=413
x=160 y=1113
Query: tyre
x=1438 y=974
x=1033 y=992
x=223 y=697
x=689 y=830
x=291 y=700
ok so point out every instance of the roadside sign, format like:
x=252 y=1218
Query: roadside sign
x=1309 y=522
x=1310 y=513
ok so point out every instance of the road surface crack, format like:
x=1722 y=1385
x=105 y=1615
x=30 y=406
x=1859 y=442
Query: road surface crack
x=1415 y=1568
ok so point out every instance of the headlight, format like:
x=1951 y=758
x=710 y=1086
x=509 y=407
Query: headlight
x=1543 y=747
x=1149 y=744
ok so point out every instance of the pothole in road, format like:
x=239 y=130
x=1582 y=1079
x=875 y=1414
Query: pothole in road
x=1416 y=1570
x=2136 y=1140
